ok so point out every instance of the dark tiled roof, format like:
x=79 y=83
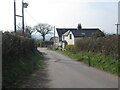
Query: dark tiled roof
x=61 y=31
x=76 y=32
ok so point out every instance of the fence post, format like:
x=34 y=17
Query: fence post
x=89 y=61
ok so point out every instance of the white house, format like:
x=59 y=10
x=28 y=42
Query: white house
x=68 y=39
x=68 y=36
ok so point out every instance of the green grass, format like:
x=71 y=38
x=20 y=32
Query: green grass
x=15 y=72
x=98 y=60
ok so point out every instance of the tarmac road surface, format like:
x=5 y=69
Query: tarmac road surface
x=63 y=72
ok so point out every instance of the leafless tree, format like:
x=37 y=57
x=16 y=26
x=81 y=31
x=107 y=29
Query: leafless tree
x=43 y=29
x=28 y=30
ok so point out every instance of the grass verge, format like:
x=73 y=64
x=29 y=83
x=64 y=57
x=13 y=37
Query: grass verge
x=15 y=72
x=98 y=60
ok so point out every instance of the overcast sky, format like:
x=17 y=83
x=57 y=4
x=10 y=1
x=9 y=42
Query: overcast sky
x=102 y=14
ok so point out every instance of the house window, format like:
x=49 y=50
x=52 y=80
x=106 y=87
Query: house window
x=70 y=36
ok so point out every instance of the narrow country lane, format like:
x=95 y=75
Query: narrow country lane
x=63 y=72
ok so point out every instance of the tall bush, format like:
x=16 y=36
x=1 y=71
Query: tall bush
x=107 y=45
x=13 y=46
x=19 y=59
x=71 y=48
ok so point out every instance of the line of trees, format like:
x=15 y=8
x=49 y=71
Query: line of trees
x=41 y=28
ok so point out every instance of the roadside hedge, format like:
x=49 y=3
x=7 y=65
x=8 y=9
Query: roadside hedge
x=15 y=46
x=107 y=45
x=19 y=59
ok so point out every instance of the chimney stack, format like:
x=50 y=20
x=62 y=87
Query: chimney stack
x=79 y=27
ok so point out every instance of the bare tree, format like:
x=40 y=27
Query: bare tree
x=43 y=29
x=28 y=30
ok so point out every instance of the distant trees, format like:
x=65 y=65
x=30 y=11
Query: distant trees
x=28 y=31
x=43 y=29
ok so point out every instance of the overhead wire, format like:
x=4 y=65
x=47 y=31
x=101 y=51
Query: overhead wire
x=31 y=16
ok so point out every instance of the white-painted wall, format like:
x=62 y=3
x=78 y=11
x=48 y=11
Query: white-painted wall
x=68 y=40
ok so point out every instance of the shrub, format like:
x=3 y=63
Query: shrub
x=19 y=58
x=14 y=46
x=98 y=34
x=107 y=45
x=45 y=43
x=71 y=48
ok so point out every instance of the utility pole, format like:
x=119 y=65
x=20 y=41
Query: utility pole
x=54 y=31
x=14 y=16
x=24 y=5
x=54 y=40
x=23 y=17
x=117 y=27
